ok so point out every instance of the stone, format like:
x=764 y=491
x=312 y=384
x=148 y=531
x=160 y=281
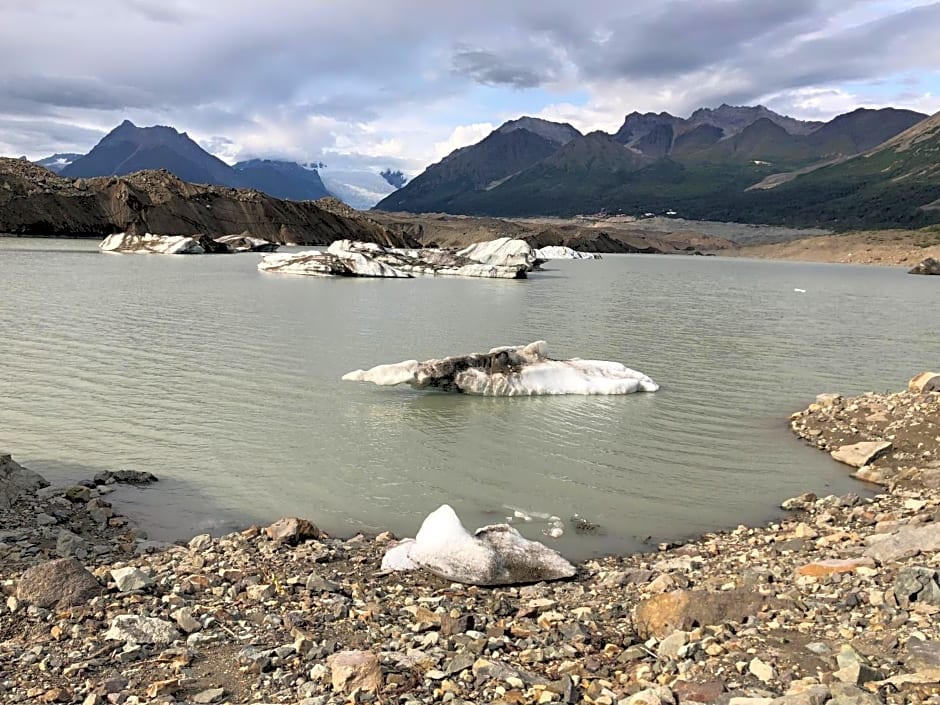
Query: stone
x=185 y=620
x=77 y=493
x=292 y=530
x=355 y=670
x=906 y=542
x=16 y=480
x=60 y=583
x=860 y=454
x=917 y=584
x=128 y=477
x=764 y=672
x=831 y=566
x=924 y=382
x=854 y=669
x=660 y=615
x=926 y=266
x=70 y=545
x=130 y=578
x=922 y=655
x=135 y=629
x=210 y=695
x=703 y=692
x=669 y=647
x=847 y=694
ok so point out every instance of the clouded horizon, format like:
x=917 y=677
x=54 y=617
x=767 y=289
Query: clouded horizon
x=401 y=84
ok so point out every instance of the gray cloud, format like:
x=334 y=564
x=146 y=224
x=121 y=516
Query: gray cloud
x=364 y=79
x=491 y=69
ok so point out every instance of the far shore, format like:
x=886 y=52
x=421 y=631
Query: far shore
x=899 y=248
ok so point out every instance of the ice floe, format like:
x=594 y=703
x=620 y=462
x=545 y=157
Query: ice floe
x=492 y=555
x=510 y=371
x=509 y=259
x=562 y=252
x=148 y=243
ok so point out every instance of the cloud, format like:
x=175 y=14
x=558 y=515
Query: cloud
x=388 y=84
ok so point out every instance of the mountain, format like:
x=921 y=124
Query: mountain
x=704 y=167
x=57 y=162
x=35 y=201
x=896 y=183
x=507 y=150
x=128 y=148
x=281 y=179
x=557 y=132
x=732 y=119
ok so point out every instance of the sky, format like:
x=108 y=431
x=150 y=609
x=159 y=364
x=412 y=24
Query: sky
x=401 y=83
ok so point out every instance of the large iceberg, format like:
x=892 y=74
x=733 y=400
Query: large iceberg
x=148 y=243
x=510 y=371
x=492 y=555
x=561 y=252
x=509 y=259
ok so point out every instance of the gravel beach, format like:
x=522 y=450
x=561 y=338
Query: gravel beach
x=836 y=602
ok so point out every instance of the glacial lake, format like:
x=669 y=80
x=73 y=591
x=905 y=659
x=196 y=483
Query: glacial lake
x=225 y=383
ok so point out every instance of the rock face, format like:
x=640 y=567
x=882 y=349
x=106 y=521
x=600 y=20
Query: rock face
x=501 y=259
x=928 y=266
x=16 y=480
x=34 y=201
x=62 y=583
x=510 y=371
x=493 y=555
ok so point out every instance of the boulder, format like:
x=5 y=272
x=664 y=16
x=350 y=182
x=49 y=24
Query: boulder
x=860 y=454
x=924 y=382
x=521 y=370
x=16 y=480
x=928 y=266
x=355 y=670
x=127 y=477
x=493 y=555
x=917 y=584
x=60 y=583
x=292 y=530
x=661 y=615
x=906 y=542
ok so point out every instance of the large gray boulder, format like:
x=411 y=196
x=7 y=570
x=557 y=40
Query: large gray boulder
x=16 y=480
x=493 y=555
x=60 y=583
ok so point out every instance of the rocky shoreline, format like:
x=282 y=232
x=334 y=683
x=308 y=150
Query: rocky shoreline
x=836 y=602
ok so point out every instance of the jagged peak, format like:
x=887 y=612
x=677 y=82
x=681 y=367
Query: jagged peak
x=558 y=132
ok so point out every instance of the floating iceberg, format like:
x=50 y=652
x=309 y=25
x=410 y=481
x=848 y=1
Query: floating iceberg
x=148 y=243
x=492 y=555
x=348 y=258
x=562 y=252
x=510 y=371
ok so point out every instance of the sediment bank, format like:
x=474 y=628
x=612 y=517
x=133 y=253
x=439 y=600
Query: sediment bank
x=836 y=602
